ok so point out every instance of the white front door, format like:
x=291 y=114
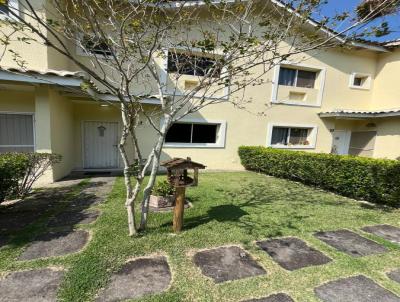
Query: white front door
x=100 y=145
x=341 y=142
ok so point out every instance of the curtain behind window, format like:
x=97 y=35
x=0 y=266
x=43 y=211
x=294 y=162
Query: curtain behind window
x=279 y=136
x=287 y=76
x=306 y=79
x=298 y=136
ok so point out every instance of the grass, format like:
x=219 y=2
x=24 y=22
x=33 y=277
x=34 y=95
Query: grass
x=229 y=208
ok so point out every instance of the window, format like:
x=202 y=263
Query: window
x=192 y=65
x=360 y=81
x=96 y=46
x=16 y=133
x=291 y=136
x=297 y=77
x=4 y=9
x=192 y=133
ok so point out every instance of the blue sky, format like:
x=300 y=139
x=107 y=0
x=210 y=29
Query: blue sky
x=337 y=6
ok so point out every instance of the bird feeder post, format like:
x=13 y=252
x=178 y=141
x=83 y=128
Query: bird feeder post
x=177 y=173
x=179 y=209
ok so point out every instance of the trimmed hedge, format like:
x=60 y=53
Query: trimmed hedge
x=374 y=180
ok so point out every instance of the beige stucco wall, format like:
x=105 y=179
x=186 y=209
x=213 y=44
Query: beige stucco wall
x=386 y=93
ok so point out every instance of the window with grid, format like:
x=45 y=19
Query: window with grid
x=96 y=46
x=192 y=133
x=192 y=65
x=297 y=77
x=16 y=133
x=290 y=136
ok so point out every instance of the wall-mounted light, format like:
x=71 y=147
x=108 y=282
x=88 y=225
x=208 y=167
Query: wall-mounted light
x=104 y=105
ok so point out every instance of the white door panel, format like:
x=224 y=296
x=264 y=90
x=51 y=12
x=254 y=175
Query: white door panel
x=341 y=142
x=100 y=145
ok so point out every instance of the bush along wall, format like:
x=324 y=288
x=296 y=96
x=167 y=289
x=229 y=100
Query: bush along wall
x=374 y=180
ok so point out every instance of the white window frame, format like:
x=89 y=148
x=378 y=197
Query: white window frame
x=312 y=136
x=12 y=5
x=164 y=76
x=321 y=76
x=221 y=134
x=33 y=128
x=368 y=81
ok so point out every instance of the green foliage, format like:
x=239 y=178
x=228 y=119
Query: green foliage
x=163 y=188
x=12 y=171
x=19 y=171
x=374 y=180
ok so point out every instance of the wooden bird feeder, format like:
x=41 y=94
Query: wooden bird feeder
x=177 y=173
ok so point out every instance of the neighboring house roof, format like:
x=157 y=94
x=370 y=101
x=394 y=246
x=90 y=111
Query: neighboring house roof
x=71 y=80
x=345 y=113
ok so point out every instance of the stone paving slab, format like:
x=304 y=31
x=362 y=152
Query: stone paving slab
x=227 y=263
x=273 y=298
x=31 y=286
x=95 y=193
x=354 y=289
x=15 y=221
x=73 y=217
x=394 y=275
x=137 y=278
x=385 y=231
x=292 y=253
x=3 y=240
x=350 y=243
x=55 y=244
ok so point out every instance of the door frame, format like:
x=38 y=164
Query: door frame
x=83 y=146
x=348 y=138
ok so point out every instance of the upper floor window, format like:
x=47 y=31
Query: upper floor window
x=297 y=77
x=96 y=46
x=7 y=6
x=195 y=65
x=4 y=9
x=360 y=81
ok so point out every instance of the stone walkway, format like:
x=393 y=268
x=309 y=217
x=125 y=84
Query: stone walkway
x=60 y=239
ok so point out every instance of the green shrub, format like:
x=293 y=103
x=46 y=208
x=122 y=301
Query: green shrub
x=12 y=171
x=163 y=188
x=374 y=180
x=19 y=171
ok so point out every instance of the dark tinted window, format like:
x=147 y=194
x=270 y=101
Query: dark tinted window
x=306 y=78
x=96 y=46
x=192 y=65
x=179 y=133
x=204 y=133
x=287 y=76
x=4 y=8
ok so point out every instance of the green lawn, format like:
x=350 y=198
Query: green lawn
x=228 y=208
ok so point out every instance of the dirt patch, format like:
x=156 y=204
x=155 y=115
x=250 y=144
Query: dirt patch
x=15 y=221
x=292 y=253
x=55 y=244
x=227 y=263
x=354 y=289
x=351 y=243
x=385 y=231
x=273 y=298
x=31 y=286
x=71 y=218
x=395 y=275
x=137 y=278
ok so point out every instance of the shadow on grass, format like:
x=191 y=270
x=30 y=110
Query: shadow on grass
x=23 y=221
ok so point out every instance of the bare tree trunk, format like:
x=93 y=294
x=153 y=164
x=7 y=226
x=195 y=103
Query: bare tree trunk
x=129 y=200
x=154 y=169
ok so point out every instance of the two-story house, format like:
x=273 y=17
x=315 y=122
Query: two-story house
x=345 y=101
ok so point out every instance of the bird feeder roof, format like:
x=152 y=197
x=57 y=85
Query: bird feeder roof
x=181 y=163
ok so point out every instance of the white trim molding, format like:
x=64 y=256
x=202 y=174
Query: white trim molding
x=221 y=134
x=312 y=136
x=367 y=83
x=321 y=87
